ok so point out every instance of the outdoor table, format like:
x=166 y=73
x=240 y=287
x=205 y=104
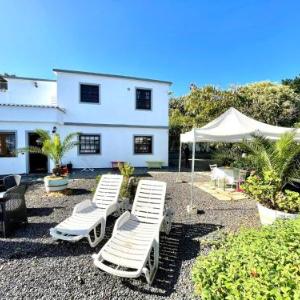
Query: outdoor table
x=225 y=174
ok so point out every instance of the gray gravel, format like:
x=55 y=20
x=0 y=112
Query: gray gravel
x=33 y=266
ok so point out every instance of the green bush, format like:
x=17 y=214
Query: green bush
x=265 y=190
x=288 y=201
x=128 y=187
x=253 y=264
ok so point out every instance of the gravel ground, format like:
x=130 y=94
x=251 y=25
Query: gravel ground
x=33 y=266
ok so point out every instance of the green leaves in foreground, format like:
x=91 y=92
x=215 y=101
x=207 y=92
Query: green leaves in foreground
x=254 y=264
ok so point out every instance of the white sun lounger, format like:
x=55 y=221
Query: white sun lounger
x=88 y=219
x=133 y=248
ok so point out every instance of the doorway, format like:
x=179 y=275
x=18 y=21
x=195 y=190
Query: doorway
x=37 y=163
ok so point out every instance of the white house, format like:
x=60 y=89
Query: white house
x=120 y=118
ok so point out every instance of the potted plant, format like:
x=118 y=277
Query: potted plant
x=276 y=164
x=54 y=148
x=129 y=185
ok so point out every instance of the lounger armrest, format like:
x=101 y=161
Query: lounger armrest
x=111 y=209
x=121 y=220
x=82 y=205
x=161 y=221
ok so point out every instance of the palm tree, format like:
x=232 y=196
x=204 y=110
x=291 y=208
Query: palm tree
x=52 y=146
x=280 y=157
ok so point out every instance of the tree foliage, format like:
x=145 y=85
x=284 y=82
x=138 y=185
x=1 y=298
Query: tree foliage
x=272 y=103
x=293 y=83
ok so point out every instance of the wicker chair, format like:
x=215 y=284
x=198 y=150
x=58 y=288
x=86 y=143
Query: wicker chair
x=11 y=181
x=12 y=209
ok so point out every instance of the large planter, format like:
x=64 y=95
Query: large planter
x=55 y=183
x=268 y=216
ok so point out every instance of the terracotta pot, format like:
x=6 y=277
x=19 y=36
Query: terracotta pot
x=56 y=171
x=268 y=216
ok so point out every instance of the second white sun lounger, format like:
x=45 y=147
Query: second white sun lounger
x=88 y=219
x=133 y=248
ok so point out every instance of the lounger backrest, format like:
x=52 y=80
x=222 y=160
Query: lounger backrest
x=108 y=190
x=149 y=201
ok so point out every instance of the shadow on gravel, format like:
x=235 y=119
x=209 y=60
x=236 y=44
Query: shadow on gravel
x=30 y=231
x=182 y=244
x=34 y=241
x=41 y=211
x=78 y=192
x=11 y=249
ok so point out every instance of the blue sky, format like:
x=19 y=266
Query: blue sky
x=204 y=42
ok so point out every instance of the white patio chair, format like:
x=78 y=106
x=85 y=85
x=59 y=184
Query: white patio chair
x=133 y=248
x=88 y=219
x=213 y=180
x=240 y=179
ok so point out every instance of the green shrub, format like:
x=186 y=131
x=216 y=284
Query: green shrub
x=266 y=191
x=98 y=177
x=126 y=169
x=127 y=187
x=288 y=201
x=253 y=264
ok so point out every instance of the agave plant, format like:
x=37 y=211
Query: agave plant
x=52 y=146
x=280 y=157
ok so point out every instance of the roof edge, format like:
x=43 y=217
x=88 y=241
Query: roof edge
x=26 y=78
x=111 y=75
x=32 y=105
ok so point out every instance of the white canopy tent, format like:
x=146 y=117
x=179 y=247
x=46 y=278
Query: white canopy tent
x=230 y=127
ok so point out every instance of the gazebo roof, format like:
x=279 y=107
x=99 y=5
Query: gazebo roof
x=233 y=126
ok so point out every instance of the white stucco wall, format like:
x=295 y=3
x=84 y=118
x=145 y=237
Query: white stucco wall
x=23 y=91
x=19 y=164
x=30 y=114
x=117 y=96
x=117 y=100
x=117 y=144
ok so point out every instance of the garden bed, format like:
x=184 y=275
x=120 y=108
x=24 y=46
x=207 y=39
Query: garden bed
x=32 y=265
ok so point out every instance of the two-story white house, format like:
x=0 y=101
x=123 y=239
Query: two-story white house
x=119 y=118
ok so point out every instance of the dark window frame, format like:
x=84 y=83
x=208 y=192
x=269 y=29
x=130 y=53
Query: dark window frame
x=140 y=107
x=89 y=144
x=81 y=84
x=135 y=151
x=12 y=153
x=3 y=84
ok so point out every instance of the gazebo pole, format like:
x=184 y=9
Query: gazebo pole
x=193 y=170
x=191 y=210
x=179 y=162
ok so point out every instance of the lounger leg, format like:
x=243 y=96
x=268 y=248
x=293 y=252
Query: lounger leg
x=152 y=268
x=95 y=239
